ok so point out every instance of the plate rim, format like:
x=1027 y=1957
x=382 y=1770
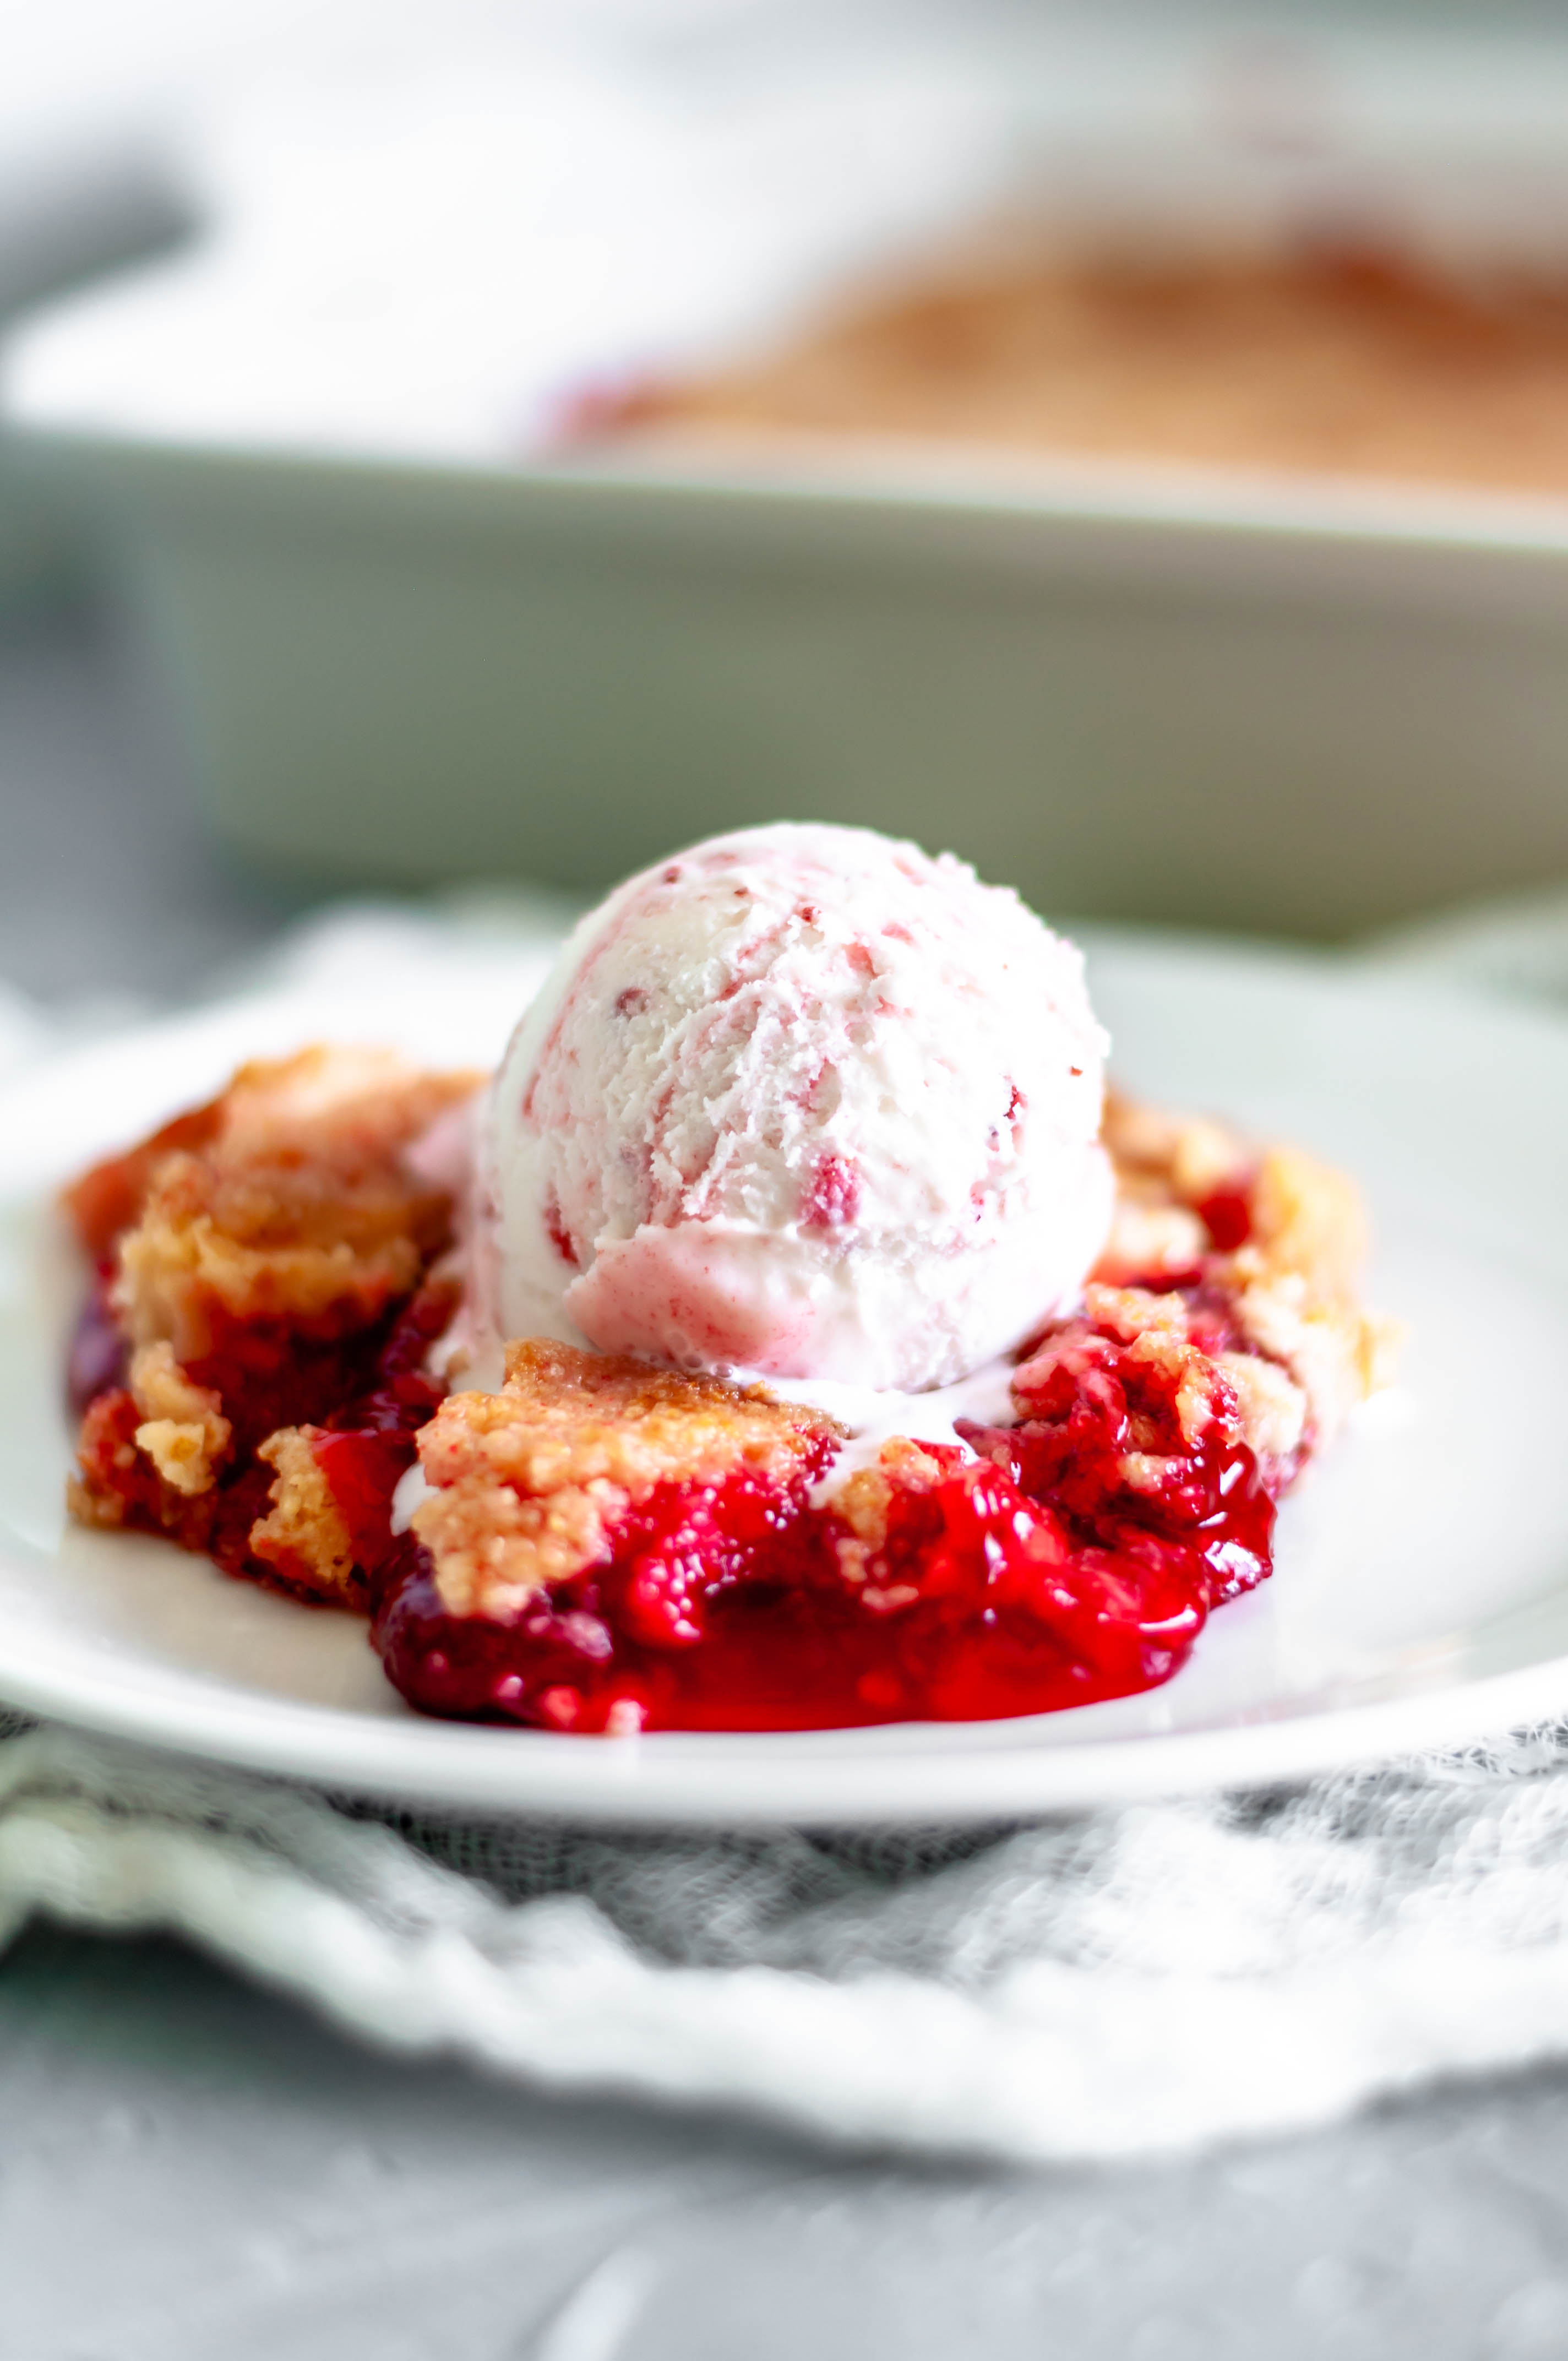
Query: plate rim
x=434 y=1765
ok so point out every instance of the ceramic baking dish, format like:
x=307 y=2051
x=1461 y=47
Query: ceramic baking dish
x=1245 y=706
x=404 y=652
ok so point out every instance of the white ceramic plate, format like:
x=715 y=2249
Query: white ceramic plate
x=1421 y=1592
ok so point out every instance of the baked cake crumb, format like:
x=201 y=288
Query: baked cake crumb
x=305 y=1537
x=183 y=1431
x=529 y=1483
x=1290 y=1282
x=255 y=1248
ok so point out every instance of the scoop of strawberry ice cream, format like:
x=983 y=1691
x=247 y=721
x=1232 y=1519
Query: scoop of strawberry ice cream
x=805 y=1101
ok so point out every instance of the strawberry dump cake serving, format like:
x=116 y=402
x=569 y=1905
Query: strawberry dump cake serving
x=791 y=1334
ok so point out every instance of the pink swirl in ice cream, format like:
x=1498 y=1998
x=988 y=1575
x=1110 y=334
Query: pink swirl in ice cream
x=806 y=1101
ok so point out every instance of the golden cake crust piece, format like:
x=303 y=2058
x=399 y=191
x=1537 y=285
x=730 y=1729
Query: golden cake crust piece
x=1292 y=1284
x=529 y=1483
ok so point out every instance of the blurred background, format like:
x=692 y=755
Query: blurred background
x=491 y=442
x=463 y=450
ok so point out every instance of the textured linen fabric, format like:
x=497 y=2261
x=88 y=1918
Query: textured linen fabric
x=1106 y=1984
x=1123 y=1982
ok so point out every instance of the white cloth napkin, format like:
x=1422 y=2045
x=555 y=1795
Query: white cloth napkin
x=1127 y=1983
x=1108 y=1984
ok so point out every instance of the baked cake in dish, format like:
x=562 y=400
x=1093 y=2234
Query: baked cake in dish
x=1336 y=358
x=592 y=1541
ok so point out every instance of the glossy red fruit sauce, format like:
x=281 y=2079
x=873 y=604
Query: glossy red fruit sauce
x=1033 y=1575
x=1028 y=1579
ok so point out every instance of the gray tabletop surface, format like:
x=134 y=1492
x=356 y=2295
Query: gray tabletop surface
x=190 y=2169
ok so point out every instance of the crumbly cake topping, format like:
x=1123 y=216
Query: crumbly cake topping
x=1166 y=1167
x=1271 y=1408
x=353 y=1110
x=1156 y=1330
x=299 y=1207
x=1189 y=1156
x=1291 y=1285
x=289 y=1206
x=1416 y=369
x=863 y=1501
x=183 y=1431
x=305 y=1537
x=531 y=1482
x=296 y=1246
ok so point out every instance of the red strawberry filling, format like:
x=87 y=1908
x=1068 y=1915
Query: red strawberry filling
x=606 y=1546
x=1032 y=1577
